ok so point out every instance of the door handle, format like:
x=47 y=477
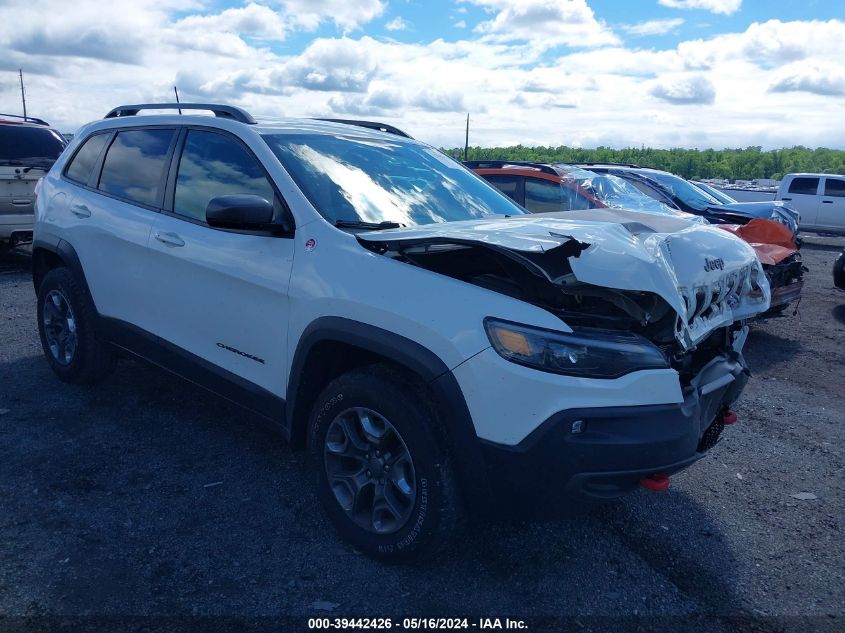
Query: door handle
x=80 y=211
x=827 y=201
x=170 y=239
x=786 y=199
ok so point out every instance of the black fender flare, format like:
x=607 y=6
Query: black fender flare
x=464 y=444
x=66 y=253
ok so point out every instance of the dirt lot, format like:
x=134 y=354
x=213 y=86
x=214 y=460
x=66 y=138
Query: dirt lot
x=147 y=496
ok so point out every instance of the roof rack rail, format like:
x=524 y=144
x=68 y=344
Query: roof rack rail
x=372 y=125
x=546 y=168
x=223 y=111
x=609 y=164
x=25 y=119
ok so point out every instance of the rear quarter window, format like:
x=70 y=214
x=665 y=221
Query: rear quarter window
x=806 y=186
x=82 y=163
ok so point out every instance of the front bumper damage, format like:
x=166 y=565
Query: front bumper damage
x=603 y=453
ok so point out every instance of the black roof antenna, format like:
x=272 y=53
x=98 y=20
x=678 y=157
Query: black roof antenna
x=176 y=92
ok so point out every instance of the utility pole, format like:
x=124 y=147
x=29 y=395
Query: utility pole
x=176 y=92
x=466 y=141
x=23 y=95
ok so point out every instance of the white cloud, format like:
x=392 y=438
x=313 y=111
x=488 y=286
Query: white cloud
x=347 y=15
x=397 y=24
x=545 y=23
x=653 y=27
x=684 y=89
x=460 y=24
x=715 y=6
x=817 y=78
x=253 y=20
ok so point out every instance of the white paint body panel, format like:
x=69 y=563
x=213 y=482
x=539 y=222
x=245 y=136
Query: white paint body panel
x=508 y=401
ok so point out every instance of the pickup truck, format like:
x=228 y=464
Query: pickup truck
x=819 y=198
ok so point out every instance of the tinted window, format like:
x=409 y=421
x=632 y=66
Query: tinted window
x=834 y=187
x=29 y=146
x=375 y=179
x=135 y=164
x=214 y=165
x=83 y=162
x=807 y=186
x=684 y=191
x=542 y=196
x=508 y=185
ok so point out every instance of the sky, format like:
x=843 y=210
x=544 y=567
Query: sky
x=584 y=73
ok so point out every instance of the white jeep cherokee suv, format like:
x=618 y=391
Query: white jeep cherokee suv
x=435 y=347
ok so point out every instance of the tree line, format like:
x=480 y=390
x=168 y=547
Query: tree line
x=732 y=164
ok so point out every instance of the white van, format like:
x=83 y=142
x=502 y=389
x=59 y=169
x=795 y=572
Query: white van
x=819 y=198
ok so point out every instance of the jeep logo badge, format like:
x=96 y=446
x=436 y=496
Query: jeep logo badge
x=713 y=264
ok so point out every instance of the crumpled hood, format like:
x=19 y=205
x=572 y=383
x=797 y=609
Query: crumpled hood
x=708 y=276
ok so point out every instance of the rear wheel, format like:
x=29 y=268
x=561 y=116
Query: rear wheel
x=67 y=326
x=384 y=475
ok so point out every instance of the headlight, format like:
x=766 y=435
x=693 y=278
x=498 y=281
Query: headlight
x=587 y=352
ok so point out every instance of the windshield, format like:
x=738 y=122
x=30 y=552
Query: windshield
x=613 y=191
x=351 y=178
x=687 y=192
x=29 y=146
x=720 y=196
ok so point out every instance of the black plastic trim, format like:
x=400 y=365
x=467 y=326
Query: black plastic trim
x=193 y=368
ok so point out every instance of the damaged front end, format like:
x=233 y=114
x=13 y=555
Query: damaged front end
x=636 y=295
x=668 y=280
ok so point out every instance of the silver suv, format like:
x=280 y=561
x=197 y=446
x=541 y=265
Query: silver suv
x=28 y=148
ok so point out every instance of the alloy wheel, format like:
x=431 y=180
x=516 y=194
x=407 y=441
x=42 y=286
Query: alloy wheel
x=370 y=470
x=59 y=327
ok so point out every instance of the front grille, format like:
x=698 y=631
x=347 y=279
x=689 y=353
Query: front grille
x=714 y=302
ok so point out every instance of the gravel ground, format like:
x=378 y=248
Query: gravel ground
x=147 y=496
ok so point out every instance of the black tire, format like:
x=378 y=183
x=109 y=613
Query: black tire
x=90 y=360
x=434 y=512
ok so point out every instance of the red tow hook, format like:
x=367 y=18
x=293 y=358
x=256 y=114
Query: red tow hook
x=658 y=482
x=729 y=417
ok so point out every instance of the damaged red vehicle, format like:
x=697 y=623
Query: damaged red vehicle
x=548 y=187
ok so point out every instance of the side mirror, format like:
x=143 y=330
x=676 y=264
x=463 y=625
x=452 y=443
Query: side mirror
x=241 y=211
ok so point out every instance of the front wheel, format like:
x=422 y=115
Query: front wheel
x=384 y=476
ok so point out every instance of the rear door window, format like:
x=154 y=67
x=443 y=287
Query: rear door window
x=135 y=165
x=543 y=196
x=834 y=187
x=215 y=165
x=806 y=186
x=82 y=164
x=508 y=185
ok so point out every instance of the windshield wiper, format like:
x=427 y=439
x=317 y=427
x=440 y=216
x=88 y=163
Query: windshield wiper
x=369 y=226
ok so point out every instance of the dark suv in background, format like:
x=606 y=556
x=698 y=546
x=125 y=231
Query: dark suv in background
x=28 y=148
x=681 y=194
